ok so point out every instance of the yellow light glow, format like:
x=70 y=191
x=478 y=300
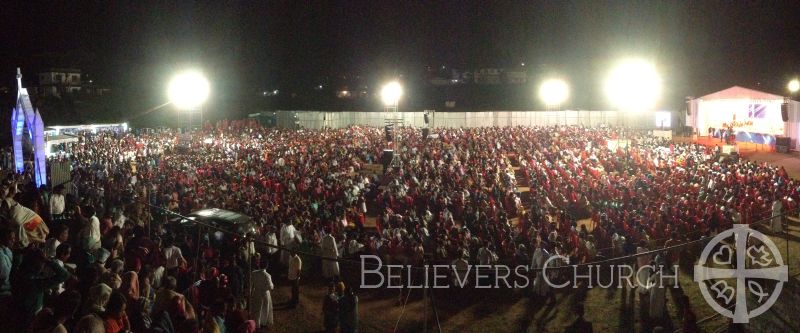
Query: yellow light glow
x=633 y=85
x=553 y=92
x=188 y=90
x=794 y=86
x=391 y=93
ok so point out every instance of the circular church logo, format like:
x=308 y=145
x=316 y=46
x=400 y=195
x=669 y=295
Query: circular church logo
x=752 y=265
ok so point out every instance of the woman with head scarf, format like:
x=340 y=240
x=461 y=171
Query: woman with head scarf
x=97 y=299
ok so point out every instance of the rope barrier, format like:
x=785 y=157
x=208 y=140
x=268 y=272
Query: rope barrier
x=402 y=312
x=345 y=260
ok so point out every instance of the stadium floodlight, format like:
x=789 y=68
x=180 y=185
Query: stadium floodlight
x=391 y=93
x=794 y=86
x=633 y=85
x=188 y=90
x=553 y=92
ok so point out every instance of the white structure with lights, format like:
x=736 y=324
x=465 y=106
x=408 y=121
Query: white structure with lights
x=26 y=123
x=753 y=116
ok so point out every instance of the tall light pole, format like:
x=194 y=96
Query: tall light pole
x=633 y=86
x=390 y=96
x=188 y=90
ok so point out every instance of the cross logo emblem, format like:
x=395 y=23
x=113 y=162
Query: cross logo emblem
x=755 y=259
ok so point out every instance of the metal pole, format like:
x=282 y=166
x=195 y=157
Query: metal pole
x=785 y=218
x=425 y=297
x=197 y=256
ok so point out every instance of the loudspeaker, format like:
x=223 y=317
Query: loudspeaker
x=783 y=141
x=387 y=131
x=427 y=119
x=425 y=132
x=785 y=112
x=688 y=105
x=387 y=157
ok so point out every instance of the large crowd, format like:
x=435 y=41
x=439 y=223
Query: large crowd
x=99 y=254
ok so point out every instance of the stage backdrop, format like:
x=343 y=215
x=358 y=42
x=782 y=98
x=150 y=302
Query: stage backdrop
x=757 y=121
x=753 y=115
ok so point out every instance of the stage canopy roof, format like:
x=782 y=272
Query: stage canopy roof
x=737 y=92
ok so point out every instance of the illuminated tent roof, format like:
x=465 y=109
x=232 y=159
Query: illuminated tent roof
x=737 y=92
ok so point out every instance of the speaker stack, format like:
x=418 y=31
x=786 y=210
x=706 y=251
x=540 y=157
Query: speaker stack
x=782 y=144
x=386 y=158
x=785 y=112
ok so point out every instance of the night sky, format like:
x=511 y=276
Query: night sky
x=247 y=46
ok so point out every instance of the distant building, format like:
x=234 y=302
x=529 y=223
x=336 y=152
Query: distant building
x=93 y=89
x=483 y=76
x=56 y=82
x=488 y=76
x=440 y=81
x=516 y=76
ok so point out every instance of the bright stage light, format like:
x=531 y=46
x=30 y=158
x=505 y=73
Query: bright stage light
x=794 y=86
x=553 y=92
x=391 y=93
x=188 y=90
x=633 y=85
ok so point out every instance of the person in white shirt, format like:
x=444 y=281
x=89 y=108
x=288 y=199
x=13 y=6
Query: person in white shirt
x=460 y=269
x=260 y=297
x=643 y=274
x=330 y=254
x=119 y=219
x=485 y=255
x=295 y=267
x=63 y=253
x=271 y=240
x=173 y=256
x=287 y=238
x=776 y=223
x=62 y=235
x=57 y=202
x=538 y=263
x=90 y=234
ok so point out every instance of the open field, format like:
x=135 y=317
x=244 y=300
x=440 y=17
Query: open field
x=513 y=310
